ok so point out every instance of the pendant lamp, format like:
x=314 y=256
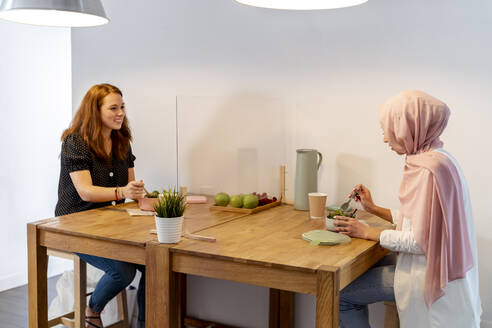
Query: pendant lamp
x=67 y=13
x=302 y=4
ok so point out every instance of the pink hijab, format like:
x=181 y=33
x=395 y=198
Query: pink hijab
x=431 y=194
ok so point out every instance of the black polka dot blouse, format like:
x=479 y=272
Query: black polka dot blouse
x=75 y=156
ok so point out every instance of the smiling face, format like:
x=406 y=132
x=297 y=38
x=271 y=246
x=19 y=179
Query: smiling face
x=112 y=112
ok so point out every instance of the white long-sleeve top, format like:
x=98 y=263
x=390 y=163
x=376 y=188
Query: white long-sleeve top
x=460 y=306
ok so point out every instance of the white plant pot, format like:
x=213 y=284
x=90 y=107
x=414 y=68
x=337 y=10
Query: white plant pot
x=169 y=229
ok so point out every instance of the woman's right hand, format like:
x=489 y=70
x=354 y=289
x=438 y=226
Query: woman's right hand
x=363 y=195
x=134 y=189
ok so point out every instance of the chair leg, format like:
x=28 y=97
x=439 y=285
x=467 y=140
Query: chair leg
x=80 y=290
x=391 y=319
x=122 y=308
x=76 y=318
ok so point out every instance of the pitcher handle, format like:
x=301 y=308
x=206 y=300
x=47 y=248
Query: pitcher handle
x=320 y=159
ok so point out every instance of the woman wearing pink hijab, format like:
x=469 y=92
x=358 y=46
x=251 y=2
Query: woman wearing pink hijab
x=435 y=280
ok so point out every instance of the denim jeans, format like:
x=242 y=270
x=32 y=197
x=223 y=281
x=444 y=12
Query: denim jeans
x=375 y=285
x=117 y=276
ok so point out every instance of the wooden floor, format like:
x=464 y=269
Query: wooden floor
x=13 y=305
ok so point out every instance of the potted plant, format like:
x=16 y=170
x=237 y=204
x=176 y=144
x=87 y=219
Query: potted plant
x=169 y=216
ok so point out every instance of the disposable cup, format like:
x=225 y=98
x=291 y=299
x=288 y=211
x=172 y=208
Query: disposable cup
x=317 y=203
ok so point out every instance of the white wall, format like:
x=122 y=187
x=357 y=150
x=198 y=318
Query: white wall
x=35 y=102
x=332 y=69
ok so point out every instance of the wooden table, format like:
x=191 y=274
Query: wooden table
x=107 y=232
x=266 y=249
x=263 y=249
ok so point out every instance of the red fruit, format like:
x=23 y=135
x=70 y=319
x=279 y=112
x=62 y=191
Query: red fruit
x=274 y=199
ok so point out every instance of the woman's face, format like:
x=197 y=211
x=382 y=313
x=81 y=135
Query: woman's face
x=385 y=140
x=112 y=111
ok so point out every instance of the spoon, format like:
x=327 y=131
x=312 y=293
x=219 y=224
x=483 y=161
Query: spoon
x=345 y=206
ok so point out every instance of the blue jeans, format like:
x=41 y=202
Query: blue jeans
x=117 y=276
x=375 y=285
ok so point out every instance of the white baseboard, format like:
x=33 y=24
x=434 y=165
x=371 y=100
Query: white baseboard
x=12 y=281
x=56 y=266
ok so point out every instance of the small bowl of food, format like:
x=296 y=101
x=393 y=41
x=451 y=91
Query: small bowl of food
x=330 y=224
x=336 y=211
x=147 y=203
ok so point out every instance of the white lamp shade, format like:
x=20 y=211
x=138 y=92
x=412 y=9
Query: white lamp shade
x=68 y=13
x=302 y=4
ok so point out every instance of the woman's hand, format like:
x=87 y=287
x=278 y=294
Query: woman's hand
x=134 y=189
x=354 y=228
x=363 y=195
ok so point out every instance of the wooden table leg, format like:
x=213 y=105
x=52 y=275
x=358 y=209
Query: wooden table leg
x=274 y=308
x=178 y=299
x=327 y=298
x=286 y=317
x=281 y=309
x=80 y=291
x=37 y=279
x=157 y=283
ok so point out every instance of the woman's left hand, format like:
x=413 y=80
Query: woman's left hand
x=353 y=228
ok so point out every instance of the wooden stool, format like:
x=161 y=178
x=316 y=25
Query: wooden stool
x=391 y=319
x=76 y=318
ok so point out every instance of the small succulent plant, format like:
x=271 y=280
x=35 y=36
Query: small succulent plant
x=171 y=204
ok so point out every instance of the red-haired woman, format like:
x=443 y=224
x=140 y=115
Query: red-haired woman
x=97 y=170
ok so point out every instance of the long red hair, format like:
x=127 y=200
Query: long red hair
x=87 y=123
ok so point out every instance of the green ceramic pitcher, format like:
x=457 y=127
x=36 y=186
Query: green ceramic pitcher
x=307 y=164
